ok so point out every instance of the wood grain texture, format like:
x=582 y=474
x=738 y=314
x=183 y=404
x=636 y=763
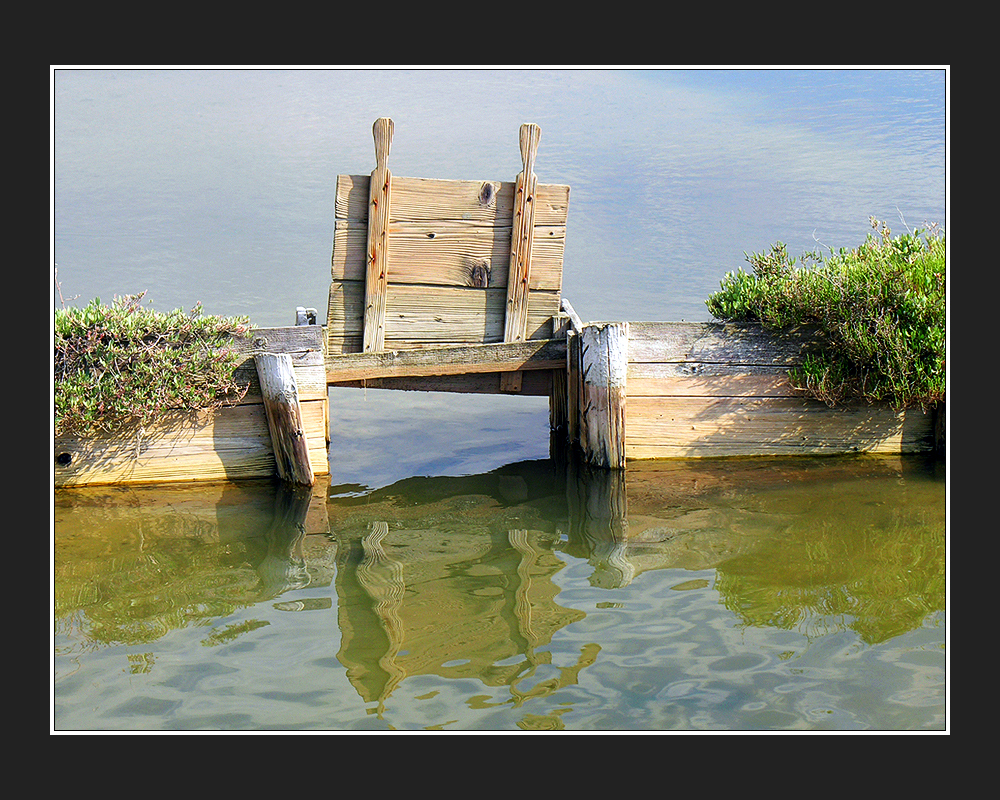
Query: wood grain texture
x=543 y=354
x=417 y=317
x=714 y=389
x=604 y=360
x=377 y=250
x=229 y=444
x=284 y=417
x=522 y=237
x=444 y=236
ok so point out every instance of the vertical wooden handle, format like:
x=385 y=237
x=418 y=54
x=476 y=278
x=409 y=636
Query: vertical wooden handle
x=530 y=135
x=382 y=131
x=376 y=280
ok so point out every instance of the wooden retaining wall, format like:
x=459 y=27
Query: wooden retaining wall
x=231 y=443
x=693 y=390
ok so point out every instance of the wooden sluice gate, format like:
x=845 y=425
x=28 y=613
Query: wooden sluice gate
x=456 y=286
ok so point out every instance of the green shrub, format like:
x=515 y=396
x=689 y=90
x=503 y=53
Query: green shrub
x=121 y=365
x=879 y=312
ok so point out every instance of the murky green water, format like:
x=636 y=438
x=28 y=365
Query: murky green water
x=760 y=594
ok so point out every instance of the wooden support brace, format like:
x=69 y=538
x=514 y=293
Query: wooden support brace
x=376 y=273
x=522 y=234
x=284 y=417
x=604 y=365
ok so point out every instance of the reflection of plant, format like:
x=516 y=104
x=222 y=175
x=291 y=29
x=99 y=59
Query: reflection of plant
x=135 y=595
x=230 y=632
x=880 y=581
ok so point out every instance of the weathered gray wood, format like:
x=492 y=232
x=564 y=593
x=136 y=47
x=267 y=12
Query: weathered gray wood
x=303 y=344
x=566 y=308
x=718 y=389
x=604 y=354
x=714 y=343
x=228 y=444
x=450 y=253
x=284 y=417
x=689 y=427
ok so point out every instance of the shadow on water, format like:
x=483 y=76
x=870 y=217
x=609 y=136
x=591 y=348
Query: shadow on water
x=461 y=577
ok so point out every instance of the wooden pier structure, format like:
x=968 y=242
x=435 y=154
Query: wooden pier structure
x=456 y=286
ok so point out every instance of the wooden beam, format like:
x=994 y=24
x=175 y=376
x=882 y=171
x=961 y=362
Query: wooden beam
x=284 y=417
x=376 y=274
x=503 y=357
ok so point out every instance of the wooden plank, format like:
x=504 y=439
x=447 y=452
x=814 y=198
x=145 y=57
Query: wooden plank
x=450 y=253
x=604 y=354
x=545 y=354
x=662 y=380
x=284 y=417
x=376 y=276
x=418 y=318
x=229 y=444
x=574 y=386
x=433 y=199
x=714 y=343
x=669 y=427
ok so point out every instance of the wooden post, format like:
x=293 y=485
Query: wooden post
x=604 y=354
x=522 y=235
x=284 y=417
x=376 y=274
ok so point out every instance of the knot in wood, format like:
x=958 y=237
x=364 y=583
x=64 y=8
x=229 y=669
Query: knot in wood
x=488 y=194
x=479 y=275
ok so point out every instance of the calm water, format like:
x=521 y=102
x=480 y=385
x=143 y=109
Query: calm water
x=758 y=595
x=452 y=574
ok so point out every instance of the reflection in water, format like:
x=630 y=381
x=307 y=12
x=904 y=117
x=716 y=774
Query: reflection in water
x=523 y=581
x=133 y=564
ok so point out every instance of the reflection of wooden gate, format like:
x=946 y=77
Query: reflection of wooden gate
x=445 y=264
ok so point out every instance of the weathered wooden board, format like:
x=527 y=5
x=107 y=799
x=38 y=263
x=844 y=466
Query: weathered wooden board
x=228 y=444
x=417 y=316
x=713 y=389
x=447 y=262
x=543 y=354
x=302 y=343
x=677 y=426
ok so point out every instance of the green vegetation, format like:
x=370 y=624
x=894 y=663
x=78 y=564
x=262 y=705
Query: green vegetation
x=878 y=311
x=124 y=366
